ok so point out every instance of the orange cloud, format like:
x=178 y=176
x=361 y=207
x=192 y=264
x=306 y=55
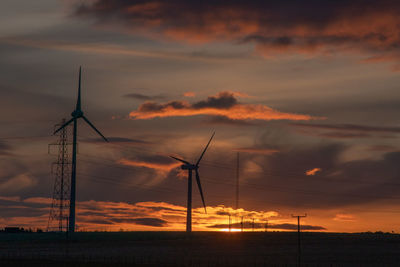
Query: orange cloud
x=344 y=217
x=142 y=216
x=223 y=104
x=313 y=171
x=189 y=94
x=165 y=167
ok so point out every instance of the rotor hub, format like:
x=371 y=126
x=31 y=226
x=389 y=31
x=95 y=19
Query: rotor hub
x=189 y=167
x=77 y=114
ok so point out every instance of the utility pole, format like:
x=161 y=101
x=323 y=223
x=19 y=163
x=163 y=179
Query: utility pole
x=241 y=224
x=237 y=180
x=253 y=224
x=298 y=237
x=266 y=226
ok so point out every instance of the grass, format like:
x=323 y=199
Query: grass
x=198 y=249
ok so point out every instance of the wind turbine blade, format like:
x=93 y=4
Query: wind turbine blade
x=78 y=103
x=181 y=160
x=201 y=191
x=204 y=151
x=62 y=126
x=94 y=128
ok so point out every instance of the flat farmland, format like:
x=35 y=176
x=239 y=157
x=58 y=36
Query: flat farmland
x=198 y=249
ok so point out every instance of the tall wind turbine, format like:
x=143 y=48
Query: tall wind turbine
x=190 y=167
x=76 y=114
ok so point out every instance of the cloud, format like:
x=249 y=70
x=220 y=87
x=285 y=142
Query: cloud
x=100 y=215
x=38 y=200
x=158 y=166
x=11 y=199
x=346 y=131
x=17 y=183
x=383 y=148
x=314 y=27
x=223 y=104
x=5 y=149
x=256 y=150
x=312 y=172
x=218 y=120
x=344 y=217
x=120 y=140
x=189 y=94
x=349 y=127
x=117 y=50
x=341 y=135
x=144 y=97
x=156 y=222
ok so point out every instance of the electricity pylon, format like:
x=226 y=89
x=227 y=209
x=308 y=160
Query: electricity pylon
x=61 y=192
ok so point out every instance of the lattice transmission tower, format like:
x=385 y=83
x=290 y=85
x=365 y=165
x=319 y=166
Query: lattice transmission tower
x=61 y=171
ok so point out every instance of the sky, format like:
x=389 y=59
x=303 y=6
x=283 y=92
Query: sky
x=306 y=93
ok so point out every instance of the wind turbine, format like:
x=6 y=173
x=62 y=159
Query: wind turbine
x=190 y=167
x=76 y=114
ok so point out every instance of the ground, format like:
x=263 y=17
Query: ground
x=198 y=249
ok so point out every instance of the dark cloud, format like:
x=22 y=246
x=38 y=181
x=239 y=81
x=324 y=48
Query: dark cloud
x=5 y=149
x=224 y=104
x=257 y=150
x=383 y=148
x=274 y=26
x=144 y=97
x=346 y=131
x=222 y=213
x=21 y=211
x=223 y=100
x=155 y=222
x=226 y=121
x=349 y=127
x=117 y=140
x=341 y=135
x=98 y=221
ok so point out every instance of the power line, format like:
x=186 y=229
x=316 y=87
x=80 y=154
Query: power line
x=287 y=175
x=217 y=180
x=111 y=180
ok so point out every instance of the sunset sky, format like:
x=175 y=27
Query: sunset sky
x=306 y=91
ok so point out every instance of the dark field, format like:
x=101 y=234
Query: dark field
x=198 y=249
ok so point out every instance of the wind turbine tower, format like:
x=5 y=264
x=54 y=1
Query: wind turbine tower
x=190 y=168
x=76 y=114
